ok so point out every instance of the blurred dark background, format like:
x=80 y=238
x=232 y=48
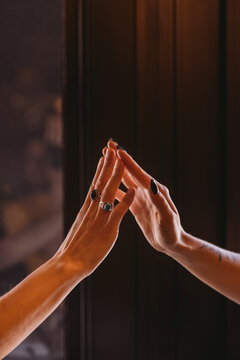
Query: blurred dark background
x=162 y=78
x=30 y=154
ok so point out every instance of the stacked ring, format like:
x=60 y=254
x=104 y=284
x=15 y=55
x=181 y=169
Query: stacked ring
x=95 y=195
x=106 y=206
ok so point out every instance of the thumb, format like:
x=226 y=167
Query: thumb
x=120 y=210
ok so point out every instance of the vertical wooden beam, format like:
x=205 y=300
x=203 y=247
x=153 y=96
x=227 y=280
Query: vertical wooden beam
x=73 y=167
x=155 y=152
x=111 y=113
x=221 y=186
x=200 y=308
x=233 y=151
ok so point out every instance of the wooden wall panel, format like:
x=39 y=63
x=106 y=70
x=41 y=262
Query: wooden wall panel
x=233 y=152
x=111 y=113
x=200 y=324
x=155 y=152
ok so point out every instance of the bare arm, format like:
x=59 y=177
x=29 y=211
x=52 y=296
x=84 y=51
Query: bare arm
x=33 y=300
x=215 y=266
x=88 y=242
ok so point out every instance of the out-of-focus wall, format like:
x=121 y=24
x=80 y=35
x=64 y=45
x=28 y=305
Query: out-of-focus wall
x=30 y=154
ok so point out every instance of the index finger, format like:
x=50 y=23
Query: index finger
x=143 y=178
x=139 y=174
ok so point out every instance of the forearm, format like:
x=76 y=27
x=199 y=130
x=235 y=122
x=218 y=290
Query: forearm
x=218 y=268
x=32 y=301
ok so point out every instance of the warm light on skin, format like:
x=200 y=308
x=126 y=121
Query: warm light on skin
x=90 y=239
x=218 y=268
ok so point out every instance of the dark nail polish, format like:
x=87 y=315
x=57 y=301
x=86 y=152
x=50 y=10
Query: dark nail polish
x=120 y=148
x=111 y=139
x=154 y=187
x=95 y=195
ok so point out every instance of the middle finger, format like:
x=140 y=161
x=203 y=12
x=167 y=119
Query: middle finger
x=110 y=190
x=101 y=181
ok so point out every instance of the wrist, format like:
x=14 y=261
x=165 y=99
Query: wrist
x=182 y=249
x=69 y=271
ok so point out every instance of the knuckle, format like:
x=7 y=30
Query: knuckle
x=108 y=161
x=164 y=189
x=100 y=165
x=104 y=194
x=171 y=219
x=99 y=183
x=114 y=216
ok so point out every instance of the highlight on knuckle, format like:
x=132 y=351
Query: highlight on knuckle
x=99 y=183
x=108 y=161
x=166 y=189
x=104 y=194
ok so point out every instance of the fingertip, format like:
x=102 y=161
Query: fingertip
x=101 y=161
x=121 y=154
x=113 y=141
x=104 y=150
x=110 y=152
x=112 y=145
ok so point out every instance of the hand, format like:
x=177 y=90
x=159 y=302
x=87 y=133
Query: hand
x=156 y=213
x=95 y=230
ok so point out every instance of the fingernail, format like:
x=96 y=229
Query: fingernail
x=154 y=187
x=111 y=139
x=120 y=148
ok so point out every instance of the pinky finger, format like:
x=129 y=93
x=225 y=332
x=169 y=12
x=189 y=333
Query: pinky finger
x=120 y=210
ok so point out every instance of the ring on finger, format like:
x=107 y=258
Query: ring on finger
x=106 y=206
x=95 y=195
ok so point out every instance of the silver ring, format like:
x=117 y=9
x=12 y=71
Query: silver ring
x=95 y=195
x=106 y=206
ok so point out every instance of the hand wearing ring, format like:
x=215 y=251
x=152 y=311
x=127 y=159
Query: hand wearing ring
x=97 y=220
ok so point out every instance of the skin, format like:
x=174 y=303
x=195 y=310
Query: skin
x=159 y=221
x=88 y=242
